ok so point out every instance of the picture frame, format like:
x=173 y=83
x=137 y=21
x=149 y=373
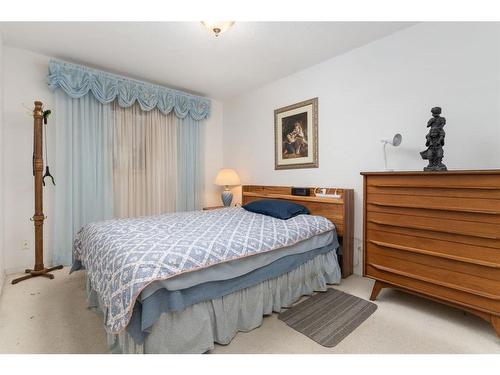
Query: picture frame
x=296 y=135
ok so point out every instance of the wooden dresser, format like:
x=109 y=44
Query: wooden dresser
x=437 y=235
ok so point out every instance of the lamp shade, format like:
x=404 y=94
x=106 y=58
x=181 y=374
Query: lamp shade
x=227 y=177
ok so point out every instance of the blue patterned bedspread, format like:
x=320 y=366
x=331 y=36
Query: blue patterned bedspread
x=123 y=256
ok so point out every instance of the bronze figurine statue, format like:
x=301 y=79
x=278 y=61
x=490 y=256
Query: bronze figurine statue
x=435 y=142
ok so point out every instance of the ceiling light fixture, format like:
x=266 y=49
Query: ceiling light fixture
x=217 y=27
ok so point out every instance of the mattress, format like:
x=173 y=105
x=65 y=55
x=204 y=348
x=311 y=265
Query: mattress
x=232 y=269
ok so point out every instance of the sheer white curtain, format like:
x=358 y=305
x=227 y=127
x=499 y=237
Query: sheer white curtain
x=190 y=164
x=144 y=162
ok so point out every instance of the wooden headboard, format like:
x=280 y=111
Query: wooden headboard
x=340 y=211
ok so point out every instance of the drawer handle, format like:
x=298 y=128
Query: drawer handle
x=436 y=282
x=434 y=230
x=432 y=253
x=459 y=209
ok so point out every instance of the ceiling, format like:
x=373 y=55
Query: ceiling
x=184 y=55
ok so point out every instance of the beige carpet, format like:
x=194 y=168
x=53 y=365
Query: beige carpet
x=50 y=316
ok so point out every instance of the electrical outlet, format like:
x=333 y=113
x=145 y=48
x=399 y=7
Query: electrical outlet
x=25 y=245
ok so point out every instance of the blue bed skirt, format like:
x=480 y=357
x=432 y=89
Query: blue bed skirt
x=177 y=323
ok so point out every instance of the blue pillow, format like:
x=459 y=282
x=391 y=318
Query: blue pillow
x=276 y=208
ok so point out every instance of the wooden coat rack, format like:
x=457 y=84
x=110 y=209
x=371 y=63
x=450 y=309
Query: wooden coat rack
x=38 y=218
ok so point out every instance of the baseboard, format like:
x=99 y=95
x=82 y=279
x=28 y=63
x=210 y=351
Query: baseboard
x=15 y=270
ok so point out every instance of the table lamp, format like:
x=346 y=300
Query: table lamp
x=227 y=177
x=396 y=141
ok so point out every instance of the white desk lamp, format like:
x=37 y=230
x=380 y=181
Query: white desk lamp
x=396 y=141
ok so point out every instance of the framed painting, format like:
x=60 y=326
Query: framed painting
x=296 y=135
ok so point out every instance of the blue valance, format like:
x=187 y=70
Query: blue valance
x=77 y=81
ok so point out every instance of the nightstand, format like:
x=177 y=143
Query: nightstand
x=212 y=208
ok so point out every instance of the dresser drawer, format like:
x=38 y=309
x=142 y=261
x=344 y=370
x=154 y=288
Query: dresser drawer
x=439 y=214
x=459 y=239
x=441 y=276
x=432 y=203
x=437 y=181
x=490 y=193
x=487 y=231
x=427 y=286
x=437 y=248
x=432 y=257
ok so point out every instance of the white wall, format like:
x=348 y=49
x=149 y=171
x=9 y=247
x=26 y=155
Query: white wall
x=2 y=262
x=25 y=81
x=371 y=93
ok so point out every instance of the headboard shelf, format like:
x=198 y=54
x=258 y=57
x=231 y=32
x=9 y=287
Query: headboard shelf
x=340 y=211
x=295 y=197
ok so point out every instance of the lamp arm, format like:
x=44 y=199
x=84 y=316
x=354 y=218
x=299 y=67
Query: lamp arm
x=385 y=155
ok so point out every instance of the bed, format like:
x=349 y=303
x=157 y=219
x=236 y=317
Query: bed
x=178 y=283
